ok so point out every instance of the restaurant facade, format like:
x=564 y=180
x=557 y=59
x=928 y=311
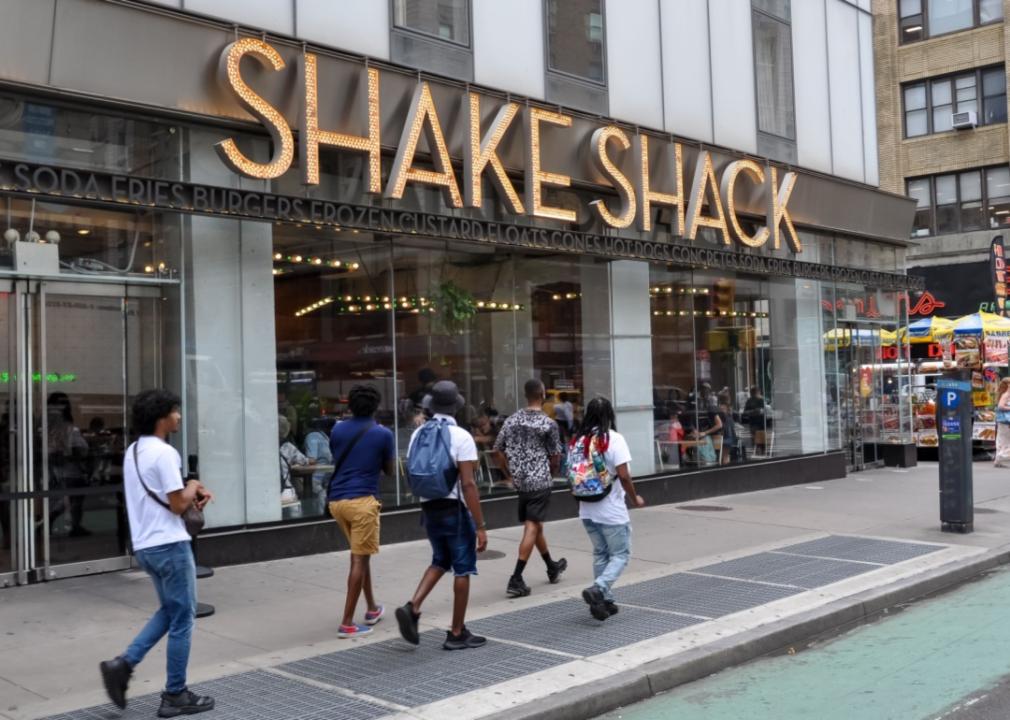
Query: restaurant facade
x=259 y=222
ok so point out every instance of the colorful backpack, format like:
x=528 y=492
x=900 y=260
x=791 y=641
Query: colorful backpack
x=588 y=476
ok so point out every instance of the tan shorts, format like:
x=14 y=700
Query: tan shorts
x=359 y=520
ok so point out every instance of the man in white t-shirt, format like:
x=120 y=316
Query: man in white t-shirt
x=156 y=497
x=454 y=523
x=606 y=520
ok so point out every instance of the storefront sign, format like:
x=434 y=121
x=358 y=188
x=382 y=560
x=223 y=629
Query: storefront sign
x=997 y=262
x=139 y=193
x=705 y=198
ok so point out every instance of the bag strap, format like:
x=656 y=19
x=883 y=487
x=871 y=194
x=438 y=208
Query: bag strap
x=136 y=463
x=347 y=451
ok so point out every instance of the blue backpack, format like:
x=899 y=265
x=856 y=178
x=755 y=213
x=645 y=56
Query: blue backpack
x=431 y=471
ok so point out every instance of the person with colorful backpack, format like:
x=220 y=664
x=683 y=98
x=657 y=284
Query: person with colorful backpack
x=598 y=471
x=441 y=460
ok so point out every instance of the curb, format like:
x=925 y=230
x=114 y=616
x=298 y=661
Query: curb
x=641 y=683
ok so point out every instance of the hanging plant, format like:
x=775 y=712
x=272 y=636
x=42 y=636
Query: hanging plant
x=455 y=307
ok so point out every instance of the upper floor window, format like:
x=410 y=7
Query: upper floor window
x=773 y=68
x=961 y=202
x=920 y=19
x=930 y=104
x=447 y=20
x=575 y=39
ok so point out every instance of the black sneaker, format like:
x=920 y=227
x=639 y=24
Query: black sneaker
x=554 y=572
x=116 y=676
x=406 y=618
x=463 y=641
x=184 y=703
x=611 y=607
x=597 y=605
x=516 y=587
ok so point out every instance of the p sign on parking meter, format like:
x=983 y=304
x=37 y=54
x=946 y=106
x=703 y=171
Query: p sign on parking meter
x=953 y=419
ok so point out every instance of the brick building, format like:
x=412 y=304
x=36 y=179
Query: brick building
x=942 y=122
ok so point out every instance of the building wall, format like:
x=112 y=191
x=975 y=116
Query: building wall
x=684 y=67
x=902 y=158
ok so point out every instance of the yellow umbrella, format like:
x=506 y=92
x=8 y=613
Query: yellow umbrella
x=844 y=337
x=926 y=330
x=982 y=323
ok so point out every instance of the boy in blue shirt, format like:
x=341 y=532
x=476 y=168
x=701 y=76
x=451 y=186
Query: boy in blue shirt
x=362 y=449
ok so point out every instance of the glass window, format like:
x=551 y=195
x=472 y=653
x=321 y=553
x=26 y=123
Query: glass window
x=910 y=20
x=920 y=191
x=949 y=15
x=972 y=216
x=915 y=110
x=773 y=63
x=946 y=204
x=942 y=105
x=778 y=8
x=966 y=93
x=445 y=19
x=575 y=38
x=990 y=10
x=994 y=109
x=997 y=182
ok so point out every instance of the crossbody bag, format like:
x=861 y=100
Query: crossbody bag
x=192 y=517
x=343 y=456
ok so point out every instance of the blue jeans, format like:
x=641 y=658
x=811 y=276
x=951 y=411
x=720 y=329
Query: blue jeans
x=453 y=538
x=173 y=571
x=611 y=551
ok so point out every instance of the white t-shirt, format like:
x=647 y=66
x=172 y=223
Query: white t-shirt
x=150 y=523
x=462 y=448
x=611 y=510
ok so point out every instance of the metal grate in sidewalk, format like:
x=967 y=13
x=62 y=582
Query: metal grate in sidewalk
x=255 y=695
x=701 y=595
x=796 y=570
x=398 y=672
x=567 y=626
x=843 y=547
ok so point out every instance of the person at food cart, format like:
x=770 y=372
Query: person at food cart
x=1002 y=423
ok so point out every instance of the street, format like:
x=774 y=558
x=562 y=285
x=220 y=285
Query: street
x=944 y=657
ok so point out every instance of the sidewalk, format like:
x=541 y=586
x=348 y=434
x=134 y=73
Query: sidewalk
x=736 y=577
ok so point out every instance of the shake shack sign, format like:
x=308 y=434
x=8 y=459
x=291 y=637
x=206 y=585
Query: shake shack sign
x=453 y=139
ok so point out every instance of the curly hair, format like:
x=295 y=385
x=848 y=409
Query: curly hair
x=150 y=406
x=363 y=400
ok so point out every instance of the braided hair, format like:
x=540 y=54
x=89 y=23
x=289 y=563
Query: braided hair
x=363 y=400
x=599 y=419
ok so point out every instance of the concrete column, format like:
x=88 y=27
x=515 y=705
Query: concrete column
x=631 y=340
x=231 y=385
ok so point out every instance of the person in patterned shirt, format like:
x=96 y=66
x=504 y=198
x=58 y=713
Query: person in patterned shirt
x=528 y=447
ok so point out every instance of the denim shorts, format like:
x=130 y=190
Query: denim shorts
x=453 y=538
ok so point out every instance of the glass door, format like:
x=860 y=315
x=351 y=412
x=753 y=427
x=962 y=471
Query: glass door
x=75 y=355
x=862 y=402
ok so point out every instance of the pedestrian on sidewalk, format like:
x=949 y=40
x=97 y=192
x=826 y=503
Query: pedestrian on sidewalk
x=1002 y=423
x=156 y=498
x=599 y=451
x=363 y=449
x=441 y=460
x=529 y=448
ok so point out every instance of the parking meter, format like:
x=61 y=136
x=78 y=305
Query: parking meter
x=953 y=424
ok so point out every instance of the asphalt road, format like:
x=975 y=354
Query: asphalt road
x=947 y=657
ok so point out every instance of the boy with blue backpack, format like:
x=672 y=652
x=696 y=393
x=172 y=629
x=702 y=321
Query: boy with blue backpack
x=598 y=470
x=441 y=459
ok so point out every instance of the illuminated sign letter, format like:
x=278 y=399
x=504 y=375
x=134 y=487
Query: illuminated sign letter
x=778 y=210
x=311 y=137
x=535 y=177
x=423 y=117
x=478 y=153
x=702 y=183
x=729 y=177
x=283 y=142
x=605 y=165
x=648 y=197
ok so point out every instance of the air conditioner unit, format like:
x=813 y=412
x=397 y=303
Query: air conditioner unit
x=964 y=120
